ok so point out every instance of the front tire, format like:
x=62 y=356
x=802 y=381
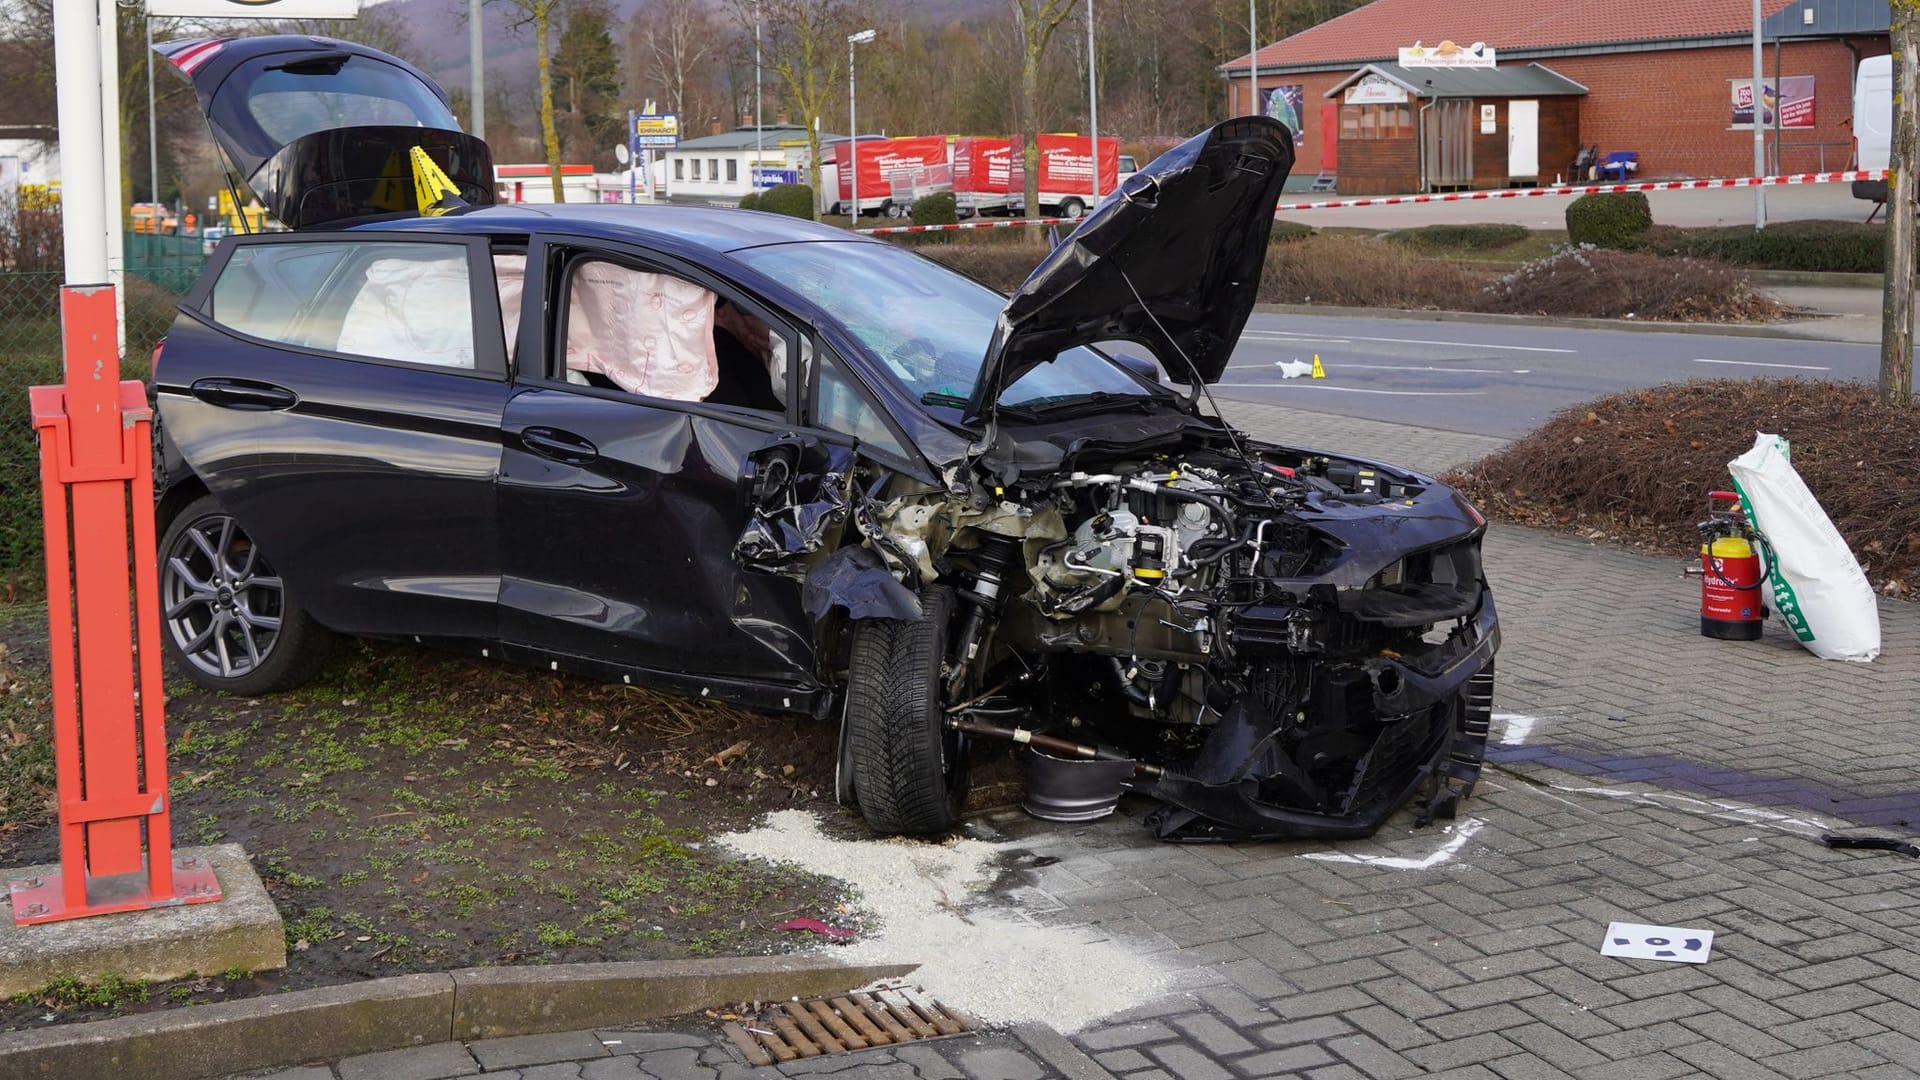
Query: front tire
x=909 y=770
x=227 y=619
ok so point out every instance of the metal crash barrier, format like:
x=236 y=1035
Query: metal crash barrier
x=96 y=483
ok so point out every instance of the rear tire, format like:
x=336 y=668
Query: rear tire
x=909 y=771
x=1073 y=209
x=227 y=618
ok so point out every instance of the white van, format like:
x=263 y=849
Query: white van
x=1873 y=124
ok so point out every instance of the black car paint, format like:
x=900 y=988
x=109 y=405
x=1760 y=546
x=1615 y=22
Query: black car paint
x=387 y=459
x=641 y=540
x=1171 y=262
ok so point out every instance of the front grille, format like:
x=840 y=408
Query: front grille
x=1404 y=745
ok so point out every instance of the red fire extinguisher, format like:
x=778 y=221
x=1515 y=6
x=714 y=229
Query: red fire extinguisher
x=1730 y=571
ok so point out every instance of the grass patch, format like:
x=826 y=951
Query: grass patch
x=111 y=992
x=415 y=811
x=1636 y=467
x=26 y=737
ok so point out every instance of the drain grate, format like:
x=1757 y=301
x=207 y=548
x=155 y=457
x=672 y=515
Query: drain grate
x=838 y=1025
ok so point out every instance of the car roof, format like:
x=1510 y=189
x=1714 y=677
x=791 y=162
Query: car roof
x=716 y=229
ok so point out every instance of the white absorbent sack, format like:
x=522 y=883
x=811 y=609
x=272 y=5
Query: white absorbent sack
x=1813 y=580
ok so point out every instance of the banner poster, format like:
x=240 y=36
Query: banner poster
x=1796 y=110
x=1283 y=103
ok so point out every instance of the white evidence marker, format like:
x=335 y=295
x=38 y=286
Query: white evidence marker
x=1638 y=941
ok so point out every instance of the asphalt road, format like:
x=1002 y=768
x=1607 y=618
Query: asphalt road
x=1497 y=380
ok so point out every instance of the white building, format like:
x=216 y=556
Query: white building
x=28 y=155
x=721 y=167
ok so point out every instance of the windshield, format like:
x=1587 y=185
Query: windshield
x=925 y=324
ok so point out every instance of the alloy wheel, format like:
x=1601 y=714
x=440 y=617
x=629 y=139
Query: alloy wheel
x=222 y=603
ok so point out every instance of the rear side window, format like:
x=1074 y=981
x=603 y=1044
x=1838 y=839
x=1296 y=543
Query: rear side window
x=409 y=302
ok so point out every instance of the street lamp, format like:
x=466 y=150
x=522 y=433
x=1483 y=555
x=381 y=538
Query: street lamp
x=753 y=173
x=853 y=125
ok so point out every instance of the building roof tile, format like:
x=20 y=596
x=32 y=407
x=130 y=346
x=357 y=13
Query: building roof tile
x=1378 y=30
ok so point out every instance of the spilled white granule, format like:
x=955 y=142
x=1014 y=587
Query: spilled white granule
x=991 y=964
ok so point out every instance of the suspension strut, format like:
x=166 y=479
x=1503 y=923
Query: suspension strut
x=997 y=557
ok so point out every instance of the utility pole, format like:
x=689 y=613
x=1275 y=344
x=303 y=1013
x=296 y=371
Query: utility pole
x=1253 y=58
x=1093 y=110
x=1759 y=128
x=1896 y=328
x=476 y=36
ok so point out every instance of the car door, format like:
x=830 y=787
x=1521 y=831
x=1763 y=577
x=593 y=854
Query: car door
x=623 y=490
x=341 y=395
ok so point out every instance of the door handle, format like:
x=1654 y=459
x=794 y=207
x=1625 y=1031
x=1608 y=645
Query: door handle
x=244 y=394
x=559 y=445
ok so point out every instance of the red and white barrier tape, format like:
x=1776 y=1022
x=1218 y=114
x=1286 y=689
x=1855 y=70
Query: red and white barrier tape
x=1451 y=196
x=1590 y=189
x=997 y=223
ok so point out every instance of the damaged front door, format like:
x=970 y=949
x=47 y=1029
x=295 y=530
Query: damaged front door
x=622 y=499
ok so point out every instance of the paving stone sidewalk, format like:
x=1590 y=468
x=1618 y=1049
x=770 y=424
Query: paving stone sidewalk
x=1644 y=774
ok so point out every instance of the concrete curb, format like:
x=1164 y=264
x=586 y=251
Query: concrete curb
x=1824 y=279
x=1794 y=331
x=284 y=1030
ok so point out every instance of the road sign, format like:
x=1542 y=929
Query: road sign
x=659 y=131
x=766 y=178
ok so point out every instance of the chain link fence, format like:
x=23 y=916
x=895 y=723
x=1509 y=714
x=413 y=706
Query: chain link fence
x=160 y=270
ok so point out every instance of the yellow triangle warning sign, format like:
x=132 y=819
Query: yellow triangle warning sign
x=433 y=191
x=1318 y=371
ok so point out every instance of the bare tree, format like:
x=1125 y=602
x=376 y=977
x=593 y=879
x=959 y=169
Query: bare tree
x=801 y=45
x=539 y=14
x=674 y=38
x=1896 y=333
x=1036 y=20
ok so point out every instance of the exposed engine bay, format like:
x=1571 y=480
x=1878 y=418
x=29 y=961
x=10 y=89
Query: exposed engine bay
x=1270 y=642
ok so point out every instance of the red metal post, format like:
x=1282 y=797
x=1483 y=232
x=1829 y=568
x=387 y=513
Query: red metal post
x=96 y=483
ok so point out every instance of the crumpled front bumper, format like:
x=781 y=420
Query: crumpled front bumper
x=1447 y=690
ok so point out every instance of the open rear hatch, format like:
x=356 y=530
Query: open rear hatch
x=323 y=130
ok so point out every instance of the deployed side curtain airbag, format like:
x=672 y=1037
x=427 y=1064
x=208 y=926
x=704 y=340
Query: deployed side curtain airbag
x=415 y=309
x=650 y=333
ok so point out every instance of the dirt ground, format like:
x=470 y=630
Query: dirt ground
x=1634 y=468
x=414 y=811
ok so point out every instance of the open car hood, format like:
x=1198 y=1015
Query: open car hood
x=1172 y=261
x=321 y=130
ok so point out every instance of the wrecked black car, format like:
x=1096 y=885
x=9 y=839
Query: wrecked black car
x=762 y=460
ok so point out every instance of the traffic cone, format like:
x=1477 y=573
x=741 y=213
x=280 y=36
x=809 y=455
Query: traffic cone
x=1318 y=371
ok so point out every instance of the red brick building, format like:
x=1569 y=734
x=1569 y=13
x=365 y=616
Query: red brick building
x=1661 y=77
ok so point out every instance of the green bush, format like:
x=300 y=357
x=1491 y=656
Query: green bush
x=934 y=209
x=750 y=201
x=1830 y=246
x=1611 y=220
x=793 y=200
x=1481 y=237
x=1285 y=232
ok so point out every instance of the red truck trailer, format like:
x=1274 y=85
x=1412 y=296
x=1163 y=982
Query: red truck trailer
x=988 y=176
x=882 y=163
